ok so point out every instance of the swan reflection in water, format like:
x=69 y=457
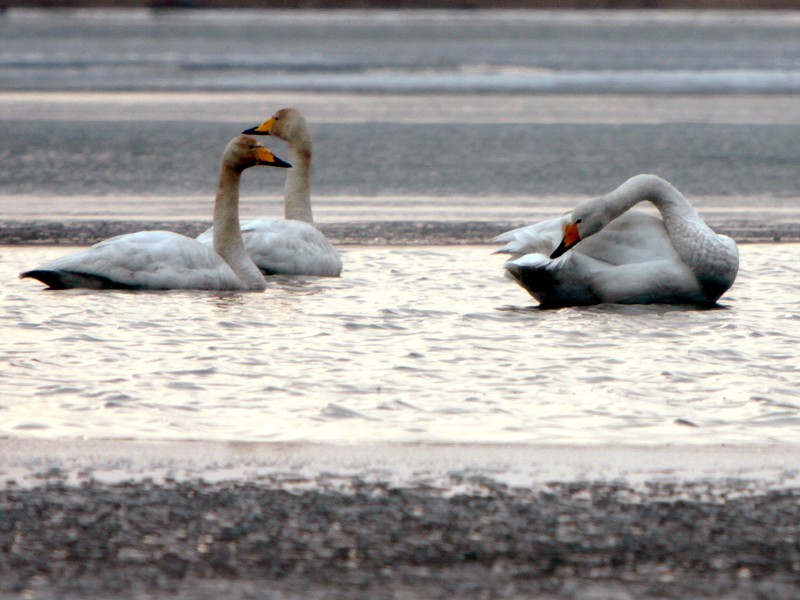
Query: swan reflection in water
x=604 y=252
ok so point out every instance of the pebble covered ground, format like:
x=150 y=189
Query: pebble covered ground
x=256 y=539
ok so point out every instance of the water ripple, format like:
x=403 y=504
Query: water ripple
x=404 y=347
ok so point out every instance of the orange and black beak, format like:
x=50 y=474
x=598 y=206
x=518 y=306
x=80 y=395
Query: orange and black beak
x=265 y=157
x=571 y=237
x=264 y=129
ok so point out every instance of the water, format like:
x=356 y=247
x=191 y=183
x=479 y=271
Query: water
x=476 y=116
x=411 y=344
x=408 y=51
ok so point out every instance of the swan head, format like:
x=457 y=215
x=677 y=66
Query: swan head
x=287 y=124
x=244 y=152
x=585 y=220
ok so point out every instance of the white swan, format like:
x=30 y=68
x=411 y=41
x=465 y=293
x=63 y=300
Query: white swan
x=292 y=246
x=159 y=260
x=604 y=252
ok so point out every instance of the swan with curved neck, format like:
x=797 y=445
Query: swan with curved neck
x=289 y=125
x=602 y=251
x=160 y=260
x=292 y=246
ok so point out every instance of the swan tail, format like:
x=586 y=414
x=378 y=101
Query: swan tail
x=64 y=280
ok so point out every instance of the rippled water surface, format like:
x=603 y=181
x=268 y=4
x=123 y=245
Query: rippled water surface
x=443 y=118
x=424 y=344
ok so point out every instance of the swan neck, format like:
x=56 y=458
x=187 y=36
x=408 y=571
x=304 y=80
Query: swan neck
x=228 y=242
x=712 y=258
x=297 y=197
x=650 y=188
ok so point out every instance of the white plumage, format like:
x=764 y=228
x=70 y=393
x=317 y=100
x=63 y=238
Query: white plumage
x=151 y=260
x=161 y=260
x=604 y=252
x=292 y=246
x=287 y=247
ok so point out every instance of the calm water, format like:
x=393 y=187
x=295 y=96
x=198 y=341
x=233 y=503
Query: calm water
x=445 y=116
x=410 y=344
x=402 y=51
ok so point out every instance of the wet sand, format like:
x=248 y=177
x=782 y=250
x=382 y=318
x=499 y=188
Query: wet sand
x=138 y=520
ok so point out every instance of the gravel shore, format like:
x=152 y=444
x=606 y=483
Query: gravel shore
x=241 y=539
x=175 y=521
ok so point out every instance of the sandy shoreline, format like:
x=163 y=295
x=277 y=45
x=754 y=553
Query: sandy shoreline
x=302 y=464
x=120 y=519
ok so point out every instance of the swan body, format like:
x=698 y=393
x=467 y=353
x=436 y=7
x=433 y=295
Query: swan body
x=149 y=260
x=292 y=246
x=602 y=251
x=288 y=247
x=161 y=260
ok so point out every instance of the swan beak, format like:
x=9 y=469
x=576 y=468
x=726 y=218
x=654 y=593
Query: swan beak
x=571 y=237
x=265 y=157
x=264 y=129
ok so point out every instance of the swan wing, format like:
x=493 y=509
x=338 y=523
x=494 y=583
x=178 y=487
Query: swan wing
x=633 y=237
x=575 y=279
x=649 y=266
x=632 y=261
x=154 y=260
x=289 y=247
x=624 y=255
x=540 y=238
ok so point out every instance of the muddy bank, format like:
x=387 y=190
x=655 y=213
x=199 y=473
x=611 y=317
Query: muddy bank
x=85 y=232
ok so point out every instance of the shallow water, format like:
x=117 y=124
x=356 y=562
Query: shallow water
x=411 y=344
x=415 y=343
x=402 y=51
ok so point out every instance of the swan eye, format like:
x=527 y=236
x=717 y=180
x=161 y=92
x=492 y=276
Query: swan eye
x=578 y=221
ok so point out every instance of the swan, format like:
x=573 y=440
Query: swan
x=160 y=260
x=292 y=246
x=604 y=252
